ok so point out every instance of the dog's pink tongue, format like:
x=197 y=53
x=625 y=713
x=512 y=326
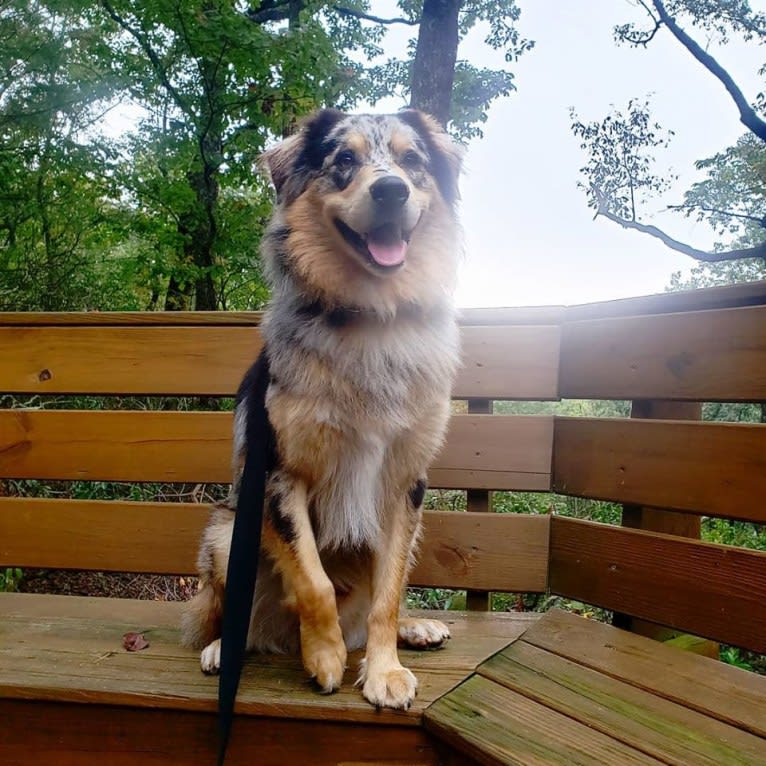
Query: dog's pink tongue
x=387 y=253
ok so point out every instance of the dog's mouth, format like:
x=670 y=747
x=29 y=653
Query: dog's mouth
x=385 y=246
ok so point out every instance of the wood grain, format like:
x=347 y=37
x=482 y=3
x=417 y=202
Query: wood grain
x=70 y=735
x=480 y=501
x=484 y=452
x=502 y=361
x=664 y=730
x=65 y=648
x=715 y=591
x=721 y=691
x=716 y=469
x=494 y=725
x=127 y=360
x=509 y=362
x=482 y=551
x=697 y=356
x=727 y=296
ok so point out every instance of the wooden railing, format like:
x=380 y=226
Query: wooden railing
x=705 y=346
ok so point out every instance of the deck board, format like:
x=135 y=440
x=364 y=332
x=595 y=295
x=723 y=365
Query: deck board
x=573 y=691
x=65 y=648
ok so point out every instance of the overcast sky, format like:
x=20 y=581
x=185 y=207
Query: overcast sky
x=530 y=237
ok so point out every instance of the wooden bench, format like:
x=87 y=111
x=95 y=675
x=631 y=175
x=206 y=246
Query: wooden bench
x=510 y=688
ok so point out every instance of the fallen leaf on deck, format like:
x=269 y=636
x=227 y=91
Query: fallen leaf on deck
x=134 y=642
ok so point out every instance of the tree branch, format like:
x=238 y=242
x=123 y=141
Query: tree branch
x=151 y=55
x=343 y=11
x=759 y=251
x=747 y=114
x=760 y=220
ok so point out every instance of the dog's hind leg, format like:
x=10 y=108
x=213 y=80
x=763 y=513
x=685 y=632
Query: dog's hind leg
x=289 y=540
x=421 y=633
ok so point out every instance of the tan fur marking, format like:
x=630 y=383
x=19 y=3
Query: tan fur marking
x=310 y=590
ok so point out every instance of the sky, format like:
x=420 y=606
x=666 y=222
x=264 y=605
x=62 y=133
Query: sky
x=530 y=238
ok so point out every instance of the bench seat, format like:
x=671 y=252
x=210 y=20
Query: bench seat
x=507 y=689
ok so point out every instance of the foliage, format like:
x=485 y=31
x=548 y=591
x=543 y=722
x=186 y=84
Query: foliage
x=474 y=88
x=620 y=149
x=169 y=213
x=10 y=578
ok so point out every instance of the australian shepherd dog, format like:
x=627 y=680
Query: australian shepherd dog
x=362 y=344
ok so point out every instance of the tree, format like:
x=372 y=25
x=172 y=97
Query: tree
x=432 y=77
x=170 y=215
x=57 y=200
x=621 y=147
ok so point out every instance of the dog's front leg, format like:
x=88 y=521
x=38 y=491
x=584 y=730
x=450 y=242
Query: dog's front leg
x=385 y=682
x=289 y=540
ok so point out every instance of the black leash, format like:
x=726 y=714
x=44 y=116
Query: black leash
x=245 y=546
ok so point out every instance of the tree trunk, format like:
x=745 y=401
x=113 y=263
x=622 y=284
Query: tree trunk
x=433 y=72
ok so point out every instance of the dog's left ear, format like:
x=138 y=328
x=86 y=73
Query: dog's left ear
x=294 y=162
x=446 y=155
x=279 y=161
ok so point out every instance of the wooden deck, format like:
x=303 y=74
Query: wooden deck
x=507 y=689
x=571 y=691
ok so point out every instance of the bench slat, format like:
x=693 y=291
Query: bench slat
x=698 y=683
x=486 y=452
x=480 y=551
x=698 y=356
x=715 y=591
x=498 y=362
x=665 y=730
x=716 y=469
x=68 y=648
x=494 y=725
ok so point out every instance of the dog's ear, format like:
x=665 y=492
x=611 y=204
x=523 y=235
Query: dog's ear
x=294 y=162
x=446 y=155
x=278 y=162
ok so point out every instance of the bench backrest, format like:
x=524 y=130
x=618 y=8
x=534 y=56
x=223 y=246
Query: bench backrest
x=709 y=345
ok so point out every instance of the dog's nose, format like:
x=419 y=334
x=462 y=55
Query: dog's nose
x=390 y=192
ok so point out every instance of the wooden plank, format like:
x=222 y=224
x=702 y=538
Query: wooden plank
x=495 y=725
x=482 y=451
x=698 y=356
x=134 y=360
x=495 y=452
x=479 y=501
x=516 y=315
x=130 y=318
x=714 y=591
x=664 y=730
x=507 y=362
x=50 y=734
x=729 y=694
x=69 y=649
x=485 y=551
x=660 y=520
x=704 y=468
x=728 y=296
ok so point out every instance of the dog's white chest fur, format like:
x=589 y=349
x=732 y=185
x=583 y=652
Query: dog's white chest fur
x=379 y=381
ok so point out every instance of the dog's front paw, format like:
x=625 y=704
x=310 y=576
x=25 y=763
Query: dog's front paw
x=324 y=658
x=210 y=657
x=419 y=633
x=392 y=686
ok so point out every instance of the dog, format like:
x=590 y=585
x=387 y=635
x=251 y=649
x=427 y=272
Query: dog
x=362 y=342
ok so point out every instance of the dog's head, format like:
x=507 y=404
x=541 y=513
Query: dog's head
x=363 y=195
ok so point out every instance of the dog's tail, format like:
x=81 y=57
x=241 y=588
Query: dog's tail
x=203 y=616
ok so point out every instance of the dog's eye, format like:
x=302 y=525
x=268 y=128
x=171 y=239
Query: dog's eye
x=345 y=160
x=411 y=160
